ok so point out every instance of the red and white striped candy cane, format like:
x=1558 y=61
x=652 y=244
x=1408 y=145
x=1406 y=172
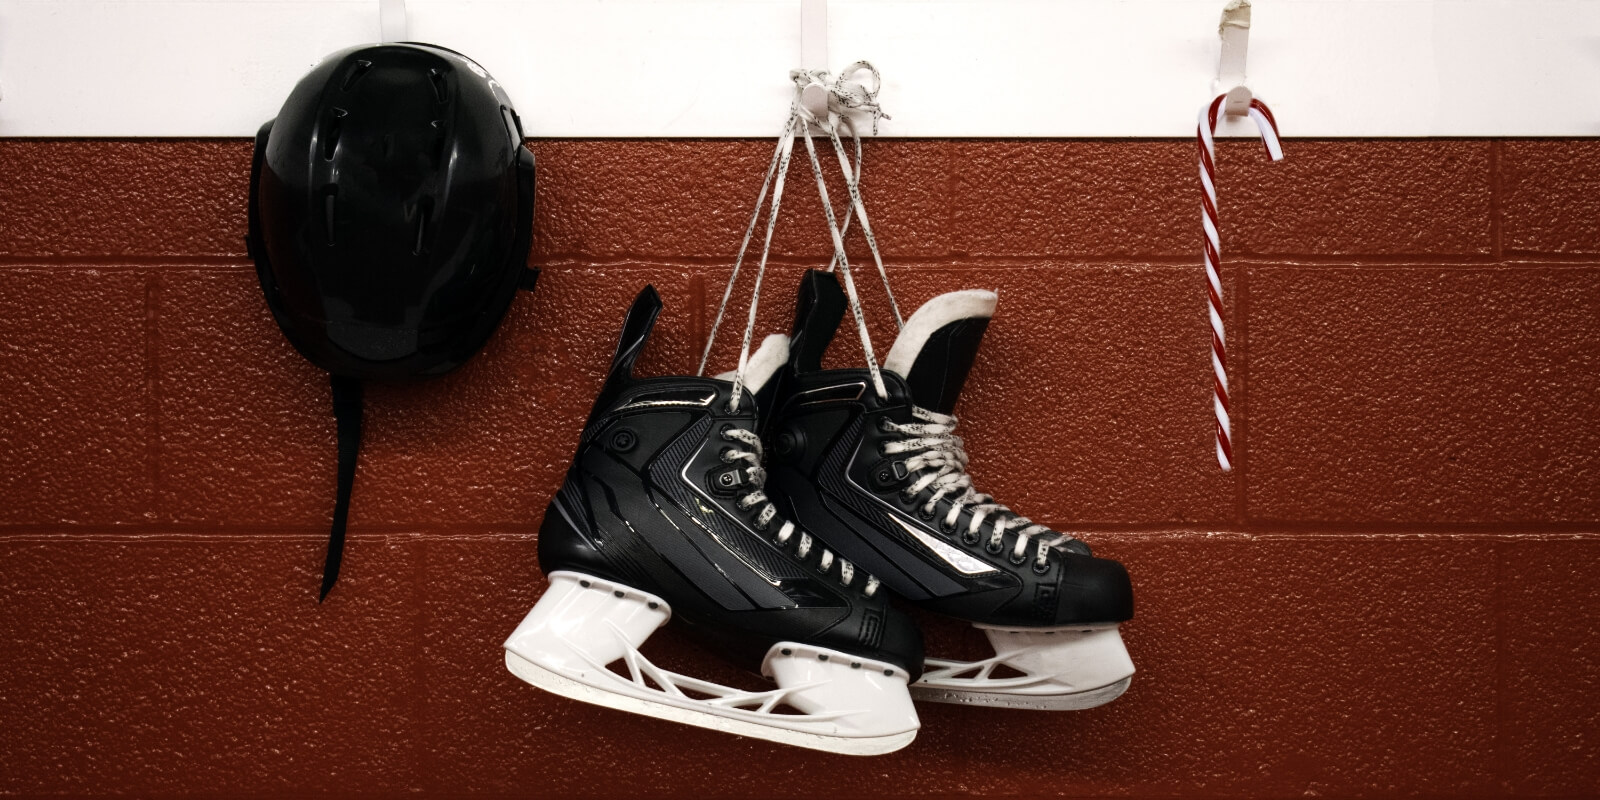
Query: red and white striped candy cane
x=1209 y=114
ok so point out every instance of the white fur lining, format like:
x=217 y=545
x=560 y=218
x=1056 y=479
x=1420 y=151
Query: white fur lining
x=935 y=314
x=764 y=363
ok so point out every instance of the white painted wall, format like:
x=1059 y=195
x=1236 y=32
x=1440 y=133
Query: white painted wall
x=719 y=67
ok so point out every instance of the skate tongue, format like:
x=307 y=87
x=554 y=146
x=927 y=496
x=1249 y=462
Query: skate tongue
x=764 y=363
x=938 y=344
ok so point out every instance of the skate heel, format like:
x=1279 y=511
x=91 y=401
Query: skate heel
x=583 y=623
x=1067 y=668
x=863 y=696
x=825 y=699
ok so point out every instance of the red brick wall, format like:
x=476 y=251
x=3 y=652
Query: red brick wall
x=1393 y=595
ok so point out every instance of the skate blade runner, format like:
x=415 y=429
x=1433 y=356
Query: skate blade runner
x=665 y=516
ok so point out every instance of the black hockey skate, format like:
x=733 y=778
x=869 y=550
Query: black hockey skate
x=882 y=478
x=662 y=516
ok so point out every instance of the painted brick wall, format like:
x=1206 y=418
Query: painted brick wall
x=1394 y=595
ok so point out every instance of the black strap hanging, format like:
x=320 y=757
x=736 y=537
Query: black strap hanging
x=347 y=415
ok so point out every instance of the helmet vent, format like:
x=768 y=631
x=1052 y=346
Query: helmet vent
x=330 y=194
x=440 y=90
x=329 y=136
x=439 y=140
x=356 y=73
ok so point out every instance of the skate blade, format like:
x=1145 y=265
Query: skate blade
x=566 y=687
x=1069 y=668
x=582 y=625
x=1059 y=702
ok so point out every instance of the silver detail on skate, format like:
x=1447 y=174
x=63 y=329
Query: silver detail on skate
x=1065 y=668
x=841 y=393
x=681 y=402
x=962 y=562
x=941 y=458
x=583 y=624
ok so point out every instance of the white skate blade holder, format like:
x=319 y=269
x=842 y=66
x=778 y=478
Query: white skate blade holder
x=582 y=624
x=1066 y=668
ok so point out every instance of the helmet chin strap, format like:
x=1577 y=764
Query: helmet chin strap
x=347 y=412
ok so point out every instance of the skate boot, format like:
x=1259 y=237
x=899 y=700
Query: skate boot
x=662 y=517
x=881 y=476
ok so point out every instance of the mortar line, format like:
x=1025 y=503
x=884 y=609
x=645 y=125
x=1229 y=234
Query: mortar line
x=951 y=260
x=152 y=389
x=1496 y=226
x=1242 y=402
x=421 y=744
x=1501 y=746
x=1262 y=532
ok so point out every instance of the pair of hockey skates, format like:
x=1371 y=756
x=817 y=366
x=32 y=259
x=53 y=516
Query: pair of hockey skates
x=665 y=514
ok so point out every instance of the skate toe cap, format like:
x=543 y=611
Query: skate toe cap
x=1094 y=590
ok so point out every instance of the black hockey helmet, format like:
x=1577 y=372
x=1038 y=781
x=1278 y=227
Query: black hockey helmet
x=391 y=216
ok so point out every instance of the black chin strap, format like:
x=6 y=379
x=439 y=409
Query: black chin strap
x=347 y=414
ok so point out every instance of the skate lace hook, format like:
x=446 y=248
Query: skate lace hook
x=757 y=497
x=939 y=462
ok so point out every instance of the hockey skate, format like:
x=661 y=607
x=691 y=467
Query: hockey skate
x=663 y=517
x=869 y=460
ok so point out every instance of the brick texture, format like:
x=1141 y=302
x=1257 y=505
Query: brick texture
x=693 y=199
x=1388 y=597
x=160 y=667
x=198 y=662
x=89 y=198
x=1133 y=199
x=1424 y=394
x=1551 y=196
x=77 y=411
x=1551 y=672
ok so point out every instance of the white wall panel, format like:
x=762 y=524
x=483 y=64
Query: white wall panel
x=719 y=67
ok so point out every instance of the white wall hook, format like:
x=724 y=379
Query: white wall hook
x=1234 y=31
x=392 y=20
x=814 y=54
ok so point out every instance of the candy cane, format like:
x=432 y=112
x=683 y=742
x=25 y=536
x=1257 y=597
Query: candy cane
x=1209 y=114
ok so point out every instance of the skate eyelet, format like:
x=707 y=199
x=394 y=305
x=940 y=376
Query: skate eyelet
x=970 y=539
x=883 y=448
x=1040 y=569
x=927 y=513
x=1015 y=560
x=727 y=454
x=993 y=548
x=624 y=440
x=885 y=425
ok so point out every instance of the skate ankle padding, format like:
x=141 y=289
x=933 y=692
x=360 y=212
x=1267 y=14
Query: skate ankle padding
x=937 y=346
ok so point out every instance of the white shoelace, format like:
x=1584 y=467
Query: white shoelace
x=845 y=95
x=757 y=497
x=941 y=460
